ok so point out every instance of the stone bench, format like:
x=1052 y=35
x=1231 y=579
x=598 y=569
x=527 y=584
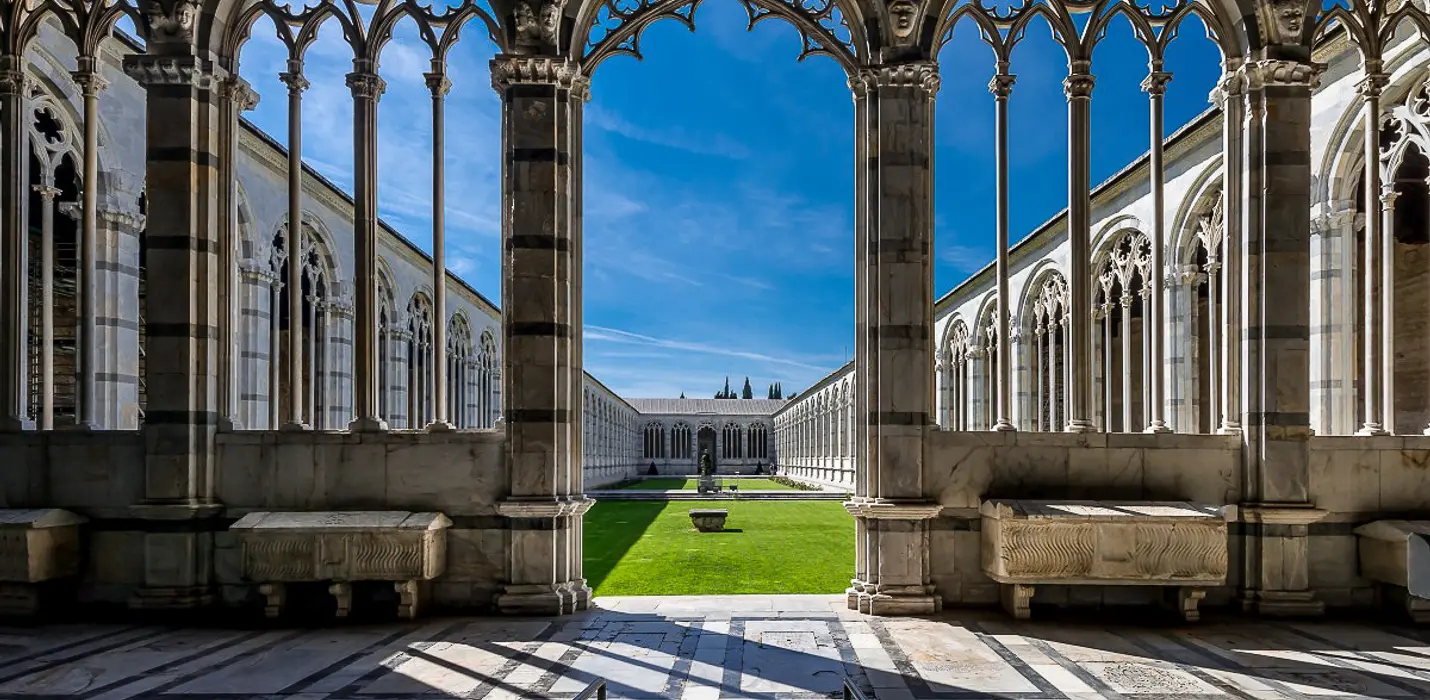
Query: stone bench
x=1028 y=543
x=339 y=548
x=35 y=546
x=1395 y=554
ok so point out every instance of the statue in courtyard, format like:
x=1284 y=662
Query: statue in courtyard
x=707 y=469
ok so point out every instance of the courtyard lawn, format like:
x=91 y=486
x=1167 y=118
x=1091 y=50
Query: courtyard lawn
x=678 y=484
x=650 y=548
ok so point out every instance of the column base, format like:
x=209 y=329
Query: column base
x=580 y=595
x=1371 y=430
x=440 y=426
x=367 y=425
x=1004 y=426
x=292 y=427
x=871 y=599
x=549 y=600
x=1080 y=425
x=1156 y=428
x=1229 y=429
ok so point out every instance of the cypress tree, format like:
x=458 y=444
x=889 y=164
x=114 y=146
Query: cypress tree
x=747 y=392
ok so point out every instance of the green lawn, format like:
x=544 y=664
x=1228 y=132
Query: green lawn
x=678 y=484
x=650 y=548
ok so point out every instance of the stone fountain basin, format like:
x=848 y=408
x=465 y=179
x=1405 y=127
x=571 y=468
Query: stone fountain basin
x=709 y=519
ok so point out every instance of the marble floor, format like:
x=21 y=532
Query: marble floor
x=766 y=647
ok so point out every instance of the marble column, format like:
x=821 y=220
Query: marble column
x=1002 y=88
x=367 y=89
x=293 y=246
x=236 y=96
x=1078 y=89
x=1387 y=198
x=1125 y=303
x=90 y=82
x=1154 y=313
x=896 y=340
x=541 y=246
x=181 y=239
x=117 y=282
x=47 y=194
x=1277 y=509
x=1231 y=95
x=439 y=85
x=1378 y=271
x=14 y=236
x=1333 y=303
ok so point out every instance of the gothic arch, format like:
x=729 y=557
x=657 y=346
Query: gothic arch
x=1031 y=286
x=1204 y=194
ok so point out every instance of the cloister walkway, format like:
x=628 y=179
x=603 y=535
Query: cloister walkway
x=768 y=647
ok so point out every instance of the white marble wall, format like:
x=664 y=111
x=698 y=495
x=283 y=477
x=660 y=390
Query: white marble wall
x=816 y=433
x=610 y=437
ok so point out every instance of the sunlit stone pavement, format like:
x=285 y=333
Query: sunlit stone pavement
x=769 y=647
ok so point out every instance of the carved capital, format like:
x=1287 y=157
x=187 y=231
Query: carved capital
x=366 y=86
x=1079 y=83
x=1388 y=195
x=537 y=70
x=151 y=70
x=921 y=74
x=861 y=83
x=239 y=92
x=1002 y=85
x=46 y=191
x=1281 y=73
x=293 y=77
x=87 y=77
x=1373 y=84
x=171 y=21
x=438 y=83
x=1156 y=82
x=1230 y=86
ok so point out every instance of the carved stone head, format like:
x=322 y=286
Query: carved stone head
x=172 y=22
x=537 y=27
x=904 y=14
x=1290 y=16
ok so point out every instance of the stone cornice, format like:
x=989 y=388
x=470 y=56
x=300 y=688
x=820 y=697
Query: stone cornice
x=878 y=509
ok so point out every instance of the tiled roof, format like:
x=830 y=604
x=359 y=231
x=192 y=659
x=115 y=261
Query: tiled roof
x=722 y=407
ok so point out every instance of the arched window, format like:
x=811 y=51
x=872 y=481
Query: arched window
x=386 y=320
x=654 y=441
x=460 y=363
x=731 y=440
x=1047 y=353
x=680 y=442
x=1123 y=302
x=420 y=376
x=309 y=402
x=488 y=387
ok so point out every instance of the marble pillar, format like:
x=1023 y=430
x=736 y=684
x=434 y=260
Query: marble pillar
x=181 y=239
x=1277 y=509
x=896 y=339
x=541 y=248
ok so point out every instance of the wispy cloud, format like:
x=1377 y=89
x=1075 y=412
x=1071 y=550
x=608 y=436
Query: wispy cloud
x=615 y=335
x=670 y=136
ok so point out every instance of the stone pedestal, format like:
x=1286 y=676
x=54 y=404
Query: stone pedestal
x=709 y=519
x=35 y=546
x=895 y=543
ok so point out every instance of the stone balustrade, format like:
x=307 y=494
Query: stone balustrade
x=35 y=546
x=1395 y=554
x=1028 y=543
x=408 y=549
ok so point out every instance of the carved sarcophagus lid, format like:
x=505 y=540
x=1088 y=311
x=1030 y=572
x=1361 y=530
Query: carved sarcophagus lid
x=1104 y=542
x=342 y=546
x=39 y=545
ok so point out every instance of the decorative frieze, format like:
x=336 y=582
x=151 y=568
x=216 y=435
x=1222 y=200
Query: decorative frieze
x=536 y=70
x=921 y=74
x=151 y=70
x=1266 y=73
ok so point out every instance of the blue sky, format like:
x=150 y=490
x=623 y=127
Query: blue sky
x=719 y=180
